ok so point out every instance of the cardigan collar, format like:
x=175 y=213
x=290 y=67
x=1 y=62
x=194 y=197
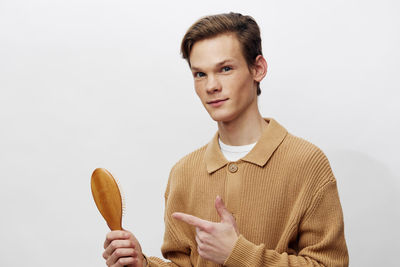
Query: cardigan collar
x=271 y=137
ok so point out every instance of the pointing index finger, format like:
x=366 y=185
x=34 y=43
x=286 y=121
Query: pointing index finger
x=192 y=220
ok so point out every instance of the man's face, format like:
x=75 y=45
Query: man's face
x=222 y=78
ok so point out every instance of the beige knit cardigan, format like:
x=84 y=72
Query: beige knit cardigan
x=282 y=194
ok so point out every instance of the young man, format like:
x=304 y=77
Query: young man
x=280 y=202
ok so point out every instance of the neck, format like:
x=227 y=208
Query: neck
x=244 y=130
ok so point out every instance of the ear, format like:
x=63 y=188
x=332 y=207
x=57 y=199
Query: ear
x=259 y=68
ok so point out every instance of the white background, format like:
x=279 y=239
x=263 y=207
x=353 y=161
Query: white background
x=86 y=84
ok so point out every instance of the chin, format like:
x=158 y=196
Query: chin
x=222 y=116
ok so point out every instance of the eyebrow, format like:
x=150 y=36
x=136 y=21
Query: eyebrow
x=226 y=61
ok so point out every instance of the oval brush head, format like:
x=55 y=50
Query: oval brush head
x=107 y=196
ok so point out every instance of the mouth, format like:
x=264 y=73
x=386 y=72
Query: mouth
x=217 y=101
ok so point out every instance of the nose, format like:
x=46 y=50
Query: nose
x=213 y=85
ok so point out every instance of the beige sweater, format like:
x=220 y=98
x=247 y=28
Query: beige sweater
x=282 y=194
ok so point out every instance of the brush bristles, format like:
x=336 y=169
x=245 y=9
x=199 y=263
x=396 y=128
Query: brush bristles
x=121 y=191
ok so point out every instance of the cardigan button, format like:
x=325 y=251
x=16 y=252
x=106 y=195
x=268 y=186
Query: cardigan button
x=232 y=167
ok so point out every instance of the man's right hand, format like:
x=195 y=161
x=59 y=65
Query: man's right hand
x=121 y=248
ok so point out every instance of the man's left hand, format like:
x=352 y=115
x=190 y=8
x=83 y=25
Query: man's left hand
x=215 y=241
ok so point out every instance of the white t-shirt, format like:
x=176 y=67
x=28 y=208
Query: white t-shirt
x=234 y=153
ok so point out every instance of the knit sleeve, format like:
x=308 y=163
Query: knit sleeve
x=320 y=238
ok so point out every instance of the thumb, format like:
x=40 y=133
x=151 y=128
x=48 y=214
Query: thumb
x=226 y=216
x=223 y=212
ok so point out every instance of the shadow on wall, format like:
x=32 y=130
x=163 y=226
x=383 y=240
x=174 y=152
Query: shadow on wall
x=369 y=194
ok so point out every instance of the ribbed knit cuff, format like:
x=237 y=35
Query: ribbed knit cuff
x=241 y=252
x=147 y=260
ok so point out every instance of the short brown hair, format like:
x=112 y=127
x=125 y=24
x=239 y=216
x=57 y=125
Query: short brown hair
x=245 y=28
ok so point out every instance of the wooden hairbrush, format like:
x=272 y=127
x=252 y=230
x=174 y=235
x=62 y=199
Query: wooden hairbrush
x=107 y=196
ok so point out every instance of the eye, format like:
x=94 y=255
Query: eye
x=226 y=68
x=199 y=74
